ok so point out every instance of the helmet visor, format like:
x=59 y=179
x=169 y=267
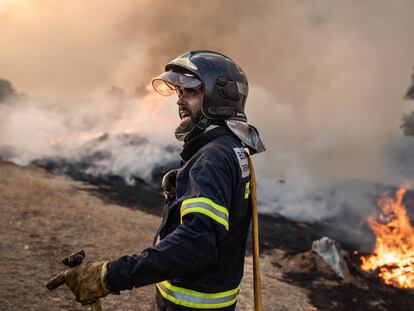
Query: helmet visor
x=166 y=83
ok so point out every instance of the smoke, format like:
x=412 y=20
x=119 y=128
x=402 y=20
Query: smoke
x=407 y=124
x=327 y=80
x=410 y=91
x=6 y=90
x=401 y=157
x=110 y=132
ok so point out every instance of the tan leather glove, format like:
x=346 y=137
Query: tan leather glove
x=87 y=282
x=168 y=183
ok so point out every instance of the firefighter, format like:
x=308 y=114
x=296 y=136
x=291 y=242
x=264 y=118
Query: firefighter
x=197 y=258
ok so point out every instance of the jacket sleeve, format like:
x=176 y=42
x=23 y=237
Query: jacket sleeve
x=193 y=245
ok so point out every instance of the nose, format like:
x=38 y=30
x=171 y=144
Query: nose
x=180 y=101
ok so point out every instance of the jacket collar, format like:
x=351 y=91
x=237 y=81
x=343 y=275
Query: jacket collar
x=192 y=146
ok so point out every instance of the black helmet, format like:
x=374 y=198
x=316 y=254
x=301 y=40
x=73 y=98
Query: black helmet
x=225 y=90
x=225 y=86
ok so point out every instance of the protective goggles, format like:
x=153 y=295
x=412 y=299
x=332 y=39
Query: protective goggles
x=167 y=82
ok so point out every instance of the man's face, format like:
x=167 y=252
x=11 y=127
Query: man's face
x=189 y=107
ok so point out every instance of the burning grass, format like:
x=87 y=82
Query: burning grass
x=393 y=255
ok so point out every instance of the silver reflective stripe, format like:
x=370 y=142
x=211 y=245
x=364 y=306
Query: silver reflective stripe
x=197 y=300
x=206 y=207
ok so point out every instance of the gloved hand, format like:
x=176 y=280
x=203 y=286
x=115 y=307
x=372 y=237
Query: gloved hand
x=86 y=281
x=168 y=183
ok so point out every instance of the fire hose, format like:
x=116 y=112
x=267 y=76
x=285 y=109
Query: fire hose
x=255 y=235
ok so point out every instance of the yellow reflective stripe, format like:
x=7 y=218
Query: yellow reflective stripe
x=206 y=207
x=207 y=213
x=247 y=192
x=193 y=299
x=209 y=202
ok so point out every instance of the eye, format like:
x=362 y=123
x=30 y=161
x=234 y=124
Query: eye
x=179 y=91
x=192 y=92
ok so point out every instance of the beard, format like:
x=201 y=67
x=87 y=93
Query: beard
x=185 y=128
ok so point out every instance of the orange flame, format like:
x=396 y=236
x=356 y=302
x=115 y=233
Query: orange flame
x=152 y=103
x=394 y=247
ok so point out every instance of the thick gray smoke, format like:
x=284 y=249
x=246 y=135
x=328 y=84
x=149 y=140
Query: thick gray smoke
x=327 y=80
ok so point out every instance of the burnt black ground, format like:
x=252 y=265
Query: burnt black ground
x=276 y=231
x=343 y=297
x=112 y=188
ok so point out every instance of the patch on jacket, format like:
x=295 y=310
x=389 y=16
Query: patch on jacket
x=243 y=161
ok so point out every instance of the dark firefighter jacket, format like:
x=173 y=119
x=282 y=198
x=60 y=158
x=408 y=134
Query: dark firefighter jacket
x=199 y=258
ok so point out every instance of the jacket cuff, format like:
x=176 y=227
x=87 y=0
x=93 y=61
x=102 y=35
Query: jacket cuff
x=105 y=281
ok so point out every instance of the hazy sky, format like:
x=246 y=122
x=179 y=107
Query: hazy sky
x=327 y=77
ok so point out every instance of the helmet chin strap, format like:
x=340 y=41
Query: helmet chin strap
x=198 y=127
x=181 y=136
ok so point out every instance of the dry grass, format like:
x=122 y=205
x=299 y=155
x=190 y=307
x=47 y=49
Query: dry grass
x=44 y=217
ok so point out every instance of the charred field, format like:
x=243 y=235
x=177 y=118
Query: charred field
x=291 y=240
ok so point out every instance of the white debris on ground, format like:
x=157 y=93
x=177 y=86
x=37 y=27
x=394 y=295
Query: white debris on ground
x=330 y=251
